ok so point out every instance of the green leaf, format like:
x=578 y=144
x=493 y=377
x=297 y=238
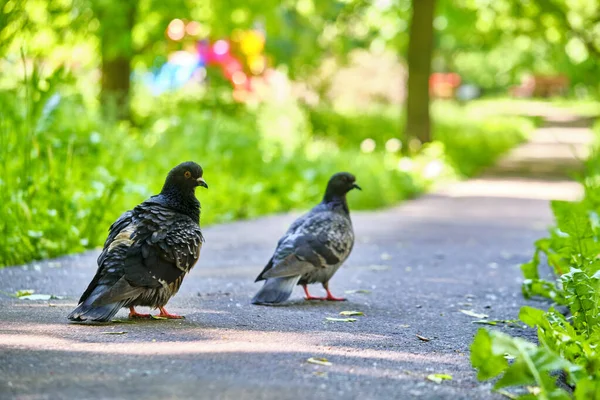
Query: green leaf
x=573 y=220
x=587 y=389
x=351 y=313
x=530 y=269
x=483 y=358
x=438 y=378
x=532 y=316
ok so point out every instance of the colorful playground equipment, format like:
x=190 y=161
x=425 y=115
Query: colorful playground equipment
x=240 y=58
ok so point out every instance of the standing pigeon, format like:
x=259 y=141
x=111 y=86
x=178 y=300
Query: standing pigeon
x=313 y=248
x=148 y=252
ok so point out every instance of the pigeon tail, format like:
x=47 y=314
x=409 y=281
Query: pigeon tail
x=276 y=290
x=98 y=313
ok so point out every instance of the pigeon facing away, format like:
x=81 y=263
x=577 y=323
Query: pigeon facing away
x=313 y=248
x=148 y=252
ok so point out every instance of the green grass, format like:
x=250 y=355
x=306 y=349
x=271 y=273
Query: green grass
x=66 y=174
x=564 y=271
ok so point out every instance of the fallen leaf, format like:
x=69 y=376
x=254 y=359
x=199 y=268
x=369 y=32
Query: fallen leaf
x=25 y=292
x=157 y=317
x=506 y=394
x=423 y=338
x=341 y=319
x=473 y=314
x=438 y=378
x=363 y=291
x=114 y=333
x=51 y=305
x=321 y=374
x=485 y=322
x=122 y=321
x=319 y=361
x=385 y=256
x=40 y=297
x=351 y=313
x=404 y=326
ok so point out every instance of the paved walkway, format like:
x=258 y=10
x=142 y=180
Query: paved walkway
x=421 y=262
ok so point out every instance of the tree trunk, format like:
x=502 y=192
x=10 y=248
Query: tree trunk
x=420 y=48
x=116 y=24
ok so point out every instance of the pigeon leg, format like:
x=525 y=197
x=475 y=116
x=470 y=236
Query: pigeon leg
x=331 y=297
x=135 y=315
x=308 y=296
x=165 y=314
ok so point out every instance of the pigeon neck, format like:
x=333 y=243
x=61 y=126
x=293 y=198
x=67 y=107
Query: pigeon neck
x=336 y=201
x=182 y=201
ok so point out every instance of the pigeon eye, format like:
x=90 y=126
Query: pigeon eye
x=187 y=174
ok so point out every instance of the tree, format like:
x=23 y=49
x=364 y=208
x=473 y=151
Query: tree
x=116 y=46
x=420 y=48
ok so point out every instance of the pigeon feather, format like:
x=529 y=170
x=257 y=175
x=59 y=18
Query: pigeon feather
x=313 y=248
x=149 y=250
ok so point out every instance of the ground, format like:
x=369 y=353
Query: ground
x=456 y=249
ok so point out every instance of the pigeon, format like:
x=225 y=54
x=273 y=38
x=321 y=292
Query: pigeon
x=313 y=248
x=148 y=252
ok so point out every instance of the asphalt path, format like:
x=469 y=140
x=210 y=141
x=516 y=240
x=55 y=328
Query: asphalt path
x=413 y=269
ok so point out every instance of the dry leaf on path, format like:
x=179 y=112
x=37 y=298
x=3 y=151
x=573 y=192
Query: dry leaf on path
x=319 y=361
x=438 y=378
x=473 y=314
x=351 y=313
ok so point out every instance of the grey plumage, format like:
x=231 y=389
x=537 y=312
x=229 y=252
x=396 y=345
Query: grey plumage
x=313 y=248
x=148 y=252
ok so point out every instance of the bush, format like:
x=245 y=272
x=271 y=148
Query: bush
x=567 y=343
x=67 y=173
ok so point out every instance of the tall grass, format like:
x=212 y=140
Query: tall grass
x=66 y=173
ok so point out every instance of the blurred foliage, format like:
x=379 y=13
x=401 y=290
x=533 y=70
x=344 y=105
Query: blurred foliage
x=68 y=169
x=489 y=43
x=66 y=173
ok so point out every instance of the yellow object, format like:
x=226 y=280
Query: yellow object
x=252 y=43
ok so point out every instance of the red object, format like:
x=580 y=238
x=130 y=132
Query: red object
x=134 y=314
x=308 y=296
x=329 y=297
x=442 y=84
x=165 y=314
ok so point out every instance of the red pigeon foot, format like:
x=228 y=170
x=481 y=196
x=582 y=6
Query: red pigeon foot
x=135 y=315
x=308 y=296
x=165 y=314
x=331 y=297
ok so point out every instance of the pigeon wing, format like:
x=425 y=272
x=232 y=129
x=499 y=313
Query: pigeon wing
x=320 y=241
x=157 y=249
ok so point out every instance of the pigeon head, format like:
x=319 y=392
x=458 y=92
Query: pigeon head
x=185 y=177
x=340 y=184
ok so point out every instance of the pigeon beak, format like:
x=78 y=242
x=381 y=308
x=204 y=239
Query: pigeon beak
x=202 y=182
x=355 y=186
